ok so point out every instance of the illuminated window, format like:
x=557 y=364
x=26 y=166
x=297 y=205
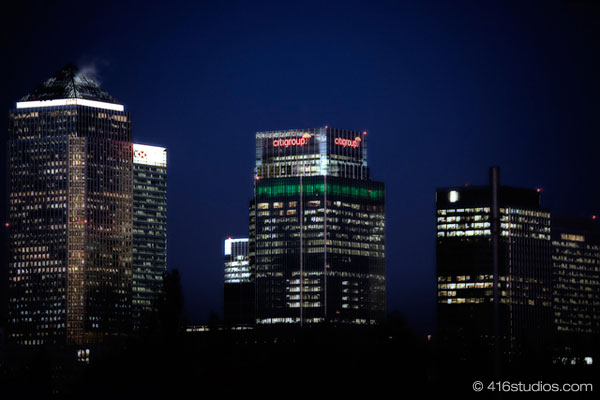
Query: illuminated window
x=575 y=238
x=453 y=196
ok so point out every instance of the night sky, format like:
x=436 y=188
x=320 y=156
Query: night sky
x=445 y=90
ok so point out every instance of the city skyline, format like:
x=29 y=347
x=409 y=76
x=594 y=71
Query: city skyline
x=437 y=104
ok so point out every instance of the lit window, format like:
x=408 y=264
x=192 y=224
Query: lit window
x=453 y=196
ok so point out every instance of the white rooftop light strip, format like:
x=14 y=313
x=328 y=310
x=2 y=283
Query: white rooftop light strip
x=149 y=155
x=70 y=102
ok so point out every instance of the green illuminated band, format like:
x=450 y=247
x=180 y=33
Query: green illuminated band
x=315 y=186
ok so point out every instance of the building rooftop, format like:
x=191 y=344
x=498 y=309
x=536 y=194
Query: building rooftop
x=479 y=195
x=69 y=83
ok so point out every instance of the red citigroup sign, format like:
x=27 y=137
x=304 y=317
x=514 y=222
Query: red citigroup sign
x=347 y=142
x=302 y=141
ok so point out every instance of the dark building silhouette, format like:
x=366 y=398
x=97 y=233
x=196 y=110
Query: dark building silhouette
x=149 y=232
x=479 y=312
x=238 y=302
x=317 y=229
x=70 y=181
x=576 y=291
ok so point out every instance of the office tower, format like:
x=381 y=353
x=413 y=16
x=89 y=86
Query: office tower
x=70 y=180
x=481 y=229
x=317 y=229
x=149 y=232
x=576 y=292
x=238 y=301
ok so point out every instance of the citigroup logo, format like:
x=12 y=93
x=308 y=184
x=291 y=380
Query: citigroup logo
x=302 y=141
x=347 y=142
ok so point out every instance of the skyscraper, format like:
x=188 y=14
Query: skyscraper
x=149 y=231
x=238 y=290
x=480 y=230
x=70 y=177
x=317 y=229
x=576 y=291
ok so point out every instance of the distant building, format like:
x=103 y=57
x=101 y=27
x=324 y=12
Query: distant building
x=466 y=301
x=317 y=229
x=238 y=288
x=70 y=180
x=149 y=232
x=576 y=293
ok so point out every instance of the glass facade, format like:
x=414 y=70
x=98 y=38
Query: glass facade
x=317 y=229
x=70 y=214
x=238 y=302
x=465 y=268
x=237 y=265
x=149 y=232
x=311 y=152
x=576 y=292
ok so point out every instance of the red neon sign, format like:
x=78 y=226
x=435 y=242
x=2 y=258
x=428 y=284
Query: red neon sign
x=347 y=142
x=303 y=141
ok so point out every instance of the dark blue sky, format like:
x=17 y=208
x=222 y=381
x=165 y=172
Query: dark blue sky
x=445 y=89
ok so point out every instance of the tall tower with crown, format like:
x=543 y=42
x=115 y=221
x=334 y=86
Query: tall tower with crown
x=70 y=177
